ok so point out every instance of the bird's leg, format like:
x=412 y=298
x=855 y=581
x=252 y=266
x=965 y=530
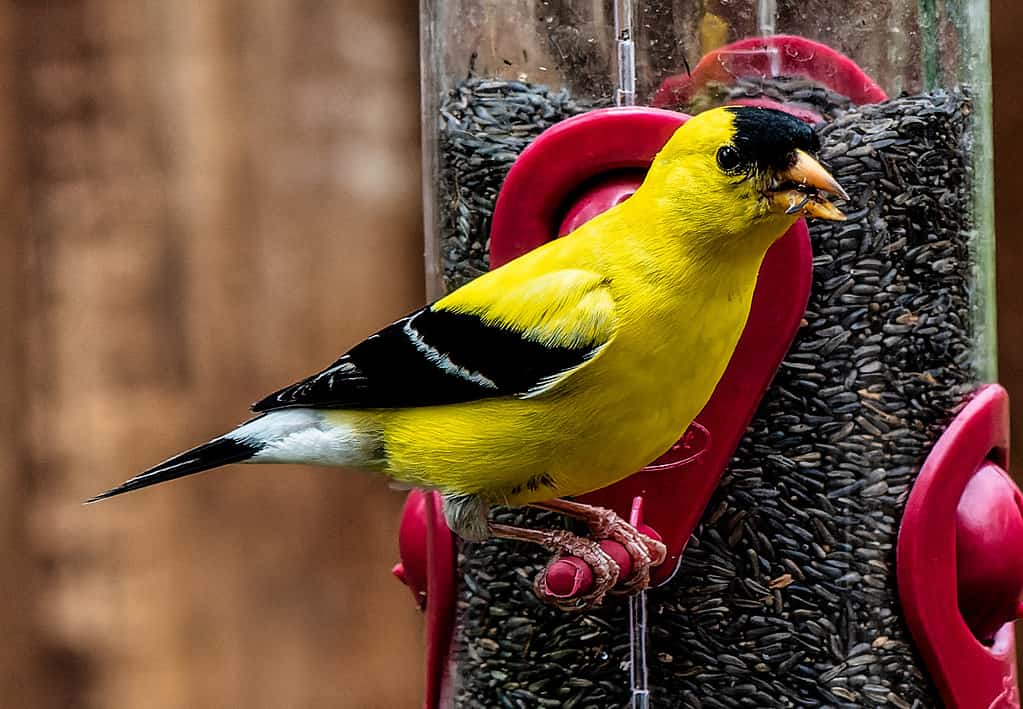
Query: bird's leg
x=467 y=516
x=603 y=523
x=565 y=543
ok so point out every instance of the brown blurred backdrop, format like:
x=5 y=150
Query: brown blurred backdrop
x=1006 y=32
x=200 y=200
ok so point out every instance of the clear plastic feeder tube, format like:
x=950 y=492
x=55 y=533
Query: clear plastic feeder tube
x=796 y=546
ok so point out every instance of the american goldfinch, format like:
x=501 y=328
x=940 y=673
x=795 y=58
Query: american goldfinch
x=568 y=368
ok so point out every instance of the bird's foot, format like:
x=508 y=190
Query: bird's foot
x=644 y=551
x=565 y=543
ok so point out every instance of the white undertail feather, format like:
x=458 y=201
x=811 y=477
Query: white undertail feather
x=304 y=436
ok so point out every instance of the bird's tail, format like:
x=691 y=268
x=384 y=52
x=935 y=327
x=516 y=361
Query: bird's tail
x=219 y=451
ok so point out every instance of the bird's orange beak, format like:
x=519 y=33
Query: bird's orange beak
x=802 y=189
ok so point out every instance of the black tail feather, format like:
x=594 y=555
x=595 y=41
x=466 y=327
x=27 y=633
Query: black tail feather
x=220 y=451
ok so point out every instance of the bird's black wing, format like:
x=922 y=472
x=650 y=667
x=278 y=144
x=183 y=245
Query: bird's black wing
x=434 y=357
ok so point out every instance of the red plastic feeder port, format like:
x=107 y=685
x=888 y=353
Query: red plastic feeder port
x=989 y=551
x=765 y=57
x=960 y=558
x=427 y=567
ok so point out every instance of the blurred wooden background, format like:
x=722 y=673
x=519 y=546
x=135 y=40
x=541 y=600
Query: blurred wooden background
x=1006 y=28
x=169 y=174
x=199 y=201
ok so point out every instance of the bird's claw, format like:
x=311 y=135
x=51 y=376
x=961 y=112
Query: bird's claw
x=605 y=570
x=644 y=551
x=605 y=525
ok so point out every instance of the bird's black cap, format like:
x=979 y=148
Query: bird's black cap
x=767 y=139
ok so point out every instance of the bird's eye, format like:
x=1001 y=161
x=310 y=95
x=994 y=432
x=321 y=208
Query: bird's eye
x=728 y=158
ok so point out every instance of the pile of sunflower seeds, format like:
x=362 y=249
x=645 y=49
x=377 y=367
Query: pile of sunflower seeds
x=796 y=92
x=793 y=91
x=484 y=125
x=786 y=594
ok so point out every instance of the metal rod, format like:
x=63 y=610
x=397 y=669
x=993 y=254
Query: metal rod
x=625 y=95
x=637 y=652
x=767 y=16
x=767 y=20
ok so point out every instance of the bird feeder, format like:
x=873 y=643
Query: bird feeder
x=840 y=526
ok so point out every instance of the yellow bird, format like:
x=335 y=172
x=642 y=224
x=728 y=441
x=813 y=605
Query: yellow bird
x=568 y=368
